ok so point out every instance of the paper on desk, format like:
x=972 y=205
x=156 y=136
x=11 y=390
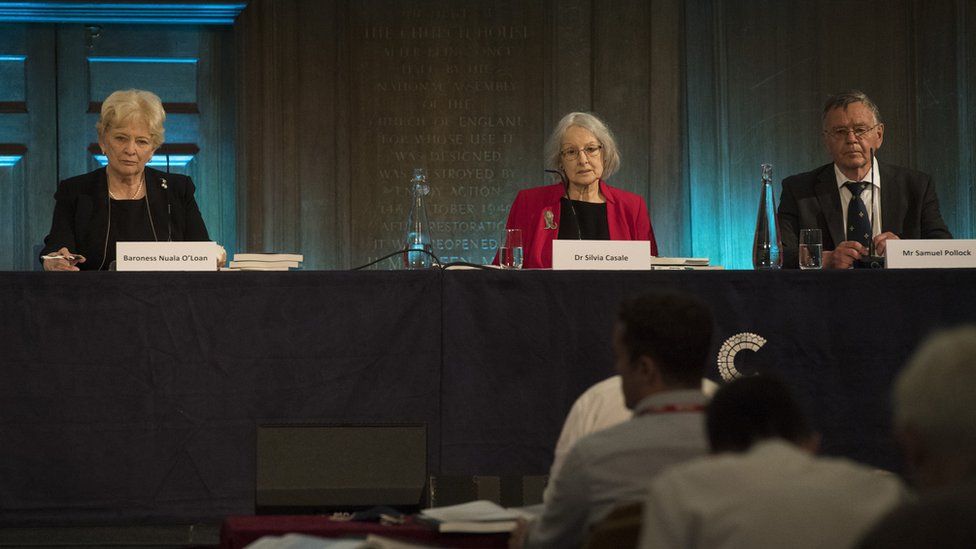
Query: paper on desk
x=685 y=261
x=472 y=511
x=301 y=541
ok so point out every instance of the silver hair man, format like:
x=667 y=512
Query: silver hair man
x=935 y=412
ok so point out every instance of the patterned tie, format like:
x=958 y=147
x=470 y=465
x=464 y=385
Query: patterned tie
x=858 y=223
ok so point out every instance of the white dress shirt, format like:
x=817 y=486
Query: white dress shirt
x=774 y=495
x=613 y=466
x=599 y=407
x=869 y=195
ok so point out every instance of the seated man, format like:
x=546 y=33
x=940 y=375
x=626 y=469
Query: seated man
x=935 y=420
x=764 y=488
x=856 y=202
x=660 y=345
x=599 y=407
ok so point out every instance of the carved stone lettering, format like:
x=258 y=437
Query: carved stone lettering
x=456 y=90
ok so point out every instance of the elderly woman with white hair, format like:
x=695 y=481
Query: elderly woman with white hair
x=125 y=201
x=582 y=206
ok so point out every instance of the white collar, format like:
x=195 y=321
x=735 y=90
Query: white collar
x=873 y=174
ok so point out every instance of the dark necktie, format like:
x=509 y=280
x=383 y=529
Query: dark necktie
x=858 y=222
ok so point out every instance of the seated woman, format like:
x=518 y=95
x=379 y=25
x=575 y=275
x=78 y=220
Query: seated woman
x=582 y=206
x=124 y=201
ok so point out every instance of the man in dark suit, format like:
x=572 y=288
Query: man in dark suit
x=854 y=206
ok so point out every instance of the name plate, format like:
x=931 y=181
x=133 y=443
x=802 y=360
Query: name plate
x=601 y=255
x=166 y=256
x=930 y=254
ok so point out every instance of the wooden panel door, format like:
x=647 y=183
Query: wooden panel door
x=28 y=141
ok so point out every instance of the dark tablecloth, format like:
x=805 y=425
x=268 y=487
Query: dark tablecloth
x=135 y=396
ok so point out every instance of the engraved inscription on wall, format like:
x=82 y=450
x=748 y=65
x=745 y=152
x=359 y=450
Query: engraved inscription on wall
x=454 y=88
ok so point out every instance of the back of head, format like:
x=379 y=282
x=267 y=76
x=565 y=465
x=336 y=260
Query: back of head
x=933 y=395
x=674 y=330
x=752 y=409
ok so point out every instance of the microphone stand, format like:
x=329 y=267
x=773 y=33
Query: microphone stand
x=562 y=177
x=872 y=261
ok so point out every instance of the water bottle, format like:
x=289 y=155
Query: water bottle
x=417 y=240
x=766 y=244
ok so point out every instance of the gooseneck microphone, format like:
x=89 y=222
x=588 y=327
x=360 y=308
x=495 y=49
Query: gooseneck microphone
x=169 y=207
x=565 y=182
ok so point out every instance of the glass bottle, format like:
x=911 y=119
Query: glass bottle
x=766 y=243
x=417 y=240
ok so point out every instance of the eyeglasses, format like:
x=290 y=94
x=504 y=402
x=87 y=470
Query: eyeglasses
x=841 y=133
x=592 y=151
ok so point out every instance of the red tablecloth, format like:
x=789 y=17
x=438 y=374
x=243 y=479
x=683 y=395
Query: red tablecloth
x=238 y=531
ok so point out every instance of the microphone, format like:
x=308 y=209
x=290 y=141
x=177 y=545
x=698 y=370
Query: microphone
x=572 y=208
x=169 y=209
x=872 y=261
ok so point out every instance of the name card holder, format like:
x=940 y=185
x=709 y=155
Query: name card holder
x=166 y=256
x=601 y=255
x=930 y=254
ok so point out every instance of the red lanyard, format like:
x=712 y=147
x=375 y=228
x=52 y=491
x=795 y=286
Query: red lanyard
x=672 y=409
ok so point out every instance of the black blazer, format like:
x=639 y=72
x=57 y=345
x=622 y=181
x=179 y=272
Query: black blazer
x=81 y=214
x=909 y=208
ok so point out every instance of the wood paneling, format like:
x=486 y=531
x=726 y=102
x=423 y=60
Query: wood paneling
x=698 y=92
x=27 y=187
x=290 y=166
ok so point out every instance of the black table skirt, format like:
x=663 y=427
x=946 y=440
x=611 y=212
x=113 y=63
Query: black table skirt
x=135 y=396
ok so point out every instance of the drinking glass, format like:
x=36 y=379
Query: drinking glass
x=811 y=249
x=510 y=251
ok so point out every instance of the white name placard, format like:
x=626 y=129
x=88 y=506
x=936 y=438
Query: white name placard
x=166 y=256
x=930 y=254
x=601 y=255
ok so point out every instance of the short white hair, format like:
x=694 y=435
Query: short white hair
x=587 y=121
x=933 y=395
x=124 y=106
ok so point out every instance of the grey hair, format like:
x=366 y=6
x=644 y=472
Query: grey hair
x=123 y=106
x=845 y=98
x=587 y=121
x=934 y=393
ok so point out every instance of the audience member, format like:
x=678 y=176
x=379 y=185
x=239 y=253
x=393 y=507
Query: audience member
x=935 y=420
x=599 y=407
x=660 y=345
x=763 y=488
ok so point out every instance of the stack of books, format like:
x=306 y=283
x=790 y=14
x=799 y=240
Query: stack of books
x=265 y=262
x=681 y=264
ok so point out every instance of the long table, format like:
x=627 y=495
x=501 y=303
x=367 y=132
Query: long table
x=135 y=396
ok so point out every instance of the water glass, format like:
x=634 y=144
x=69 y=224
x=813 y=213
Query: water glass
x=510 y=251
x=811 y=249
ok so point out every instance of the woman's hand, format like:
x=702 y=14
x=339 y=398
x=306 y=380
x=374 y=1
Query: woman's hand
x=62 y=263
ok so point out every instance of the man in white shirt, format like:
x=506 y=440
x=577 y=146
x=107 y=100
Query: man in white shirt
x=857 y=202
x=660 y=345
x=763 y=487
x=599 y=407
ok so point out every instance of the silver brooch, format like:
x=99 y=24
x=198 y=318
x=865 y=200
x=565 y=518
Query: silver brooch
x=550 y=219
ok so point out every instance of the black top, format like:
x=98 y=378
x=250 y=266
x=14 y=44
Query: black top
x=130 y=223
x=81 y=215
x=590 y=217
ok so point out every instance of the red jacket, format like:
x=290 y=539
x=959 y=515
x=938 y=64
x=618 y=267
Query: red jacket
x=626 y=216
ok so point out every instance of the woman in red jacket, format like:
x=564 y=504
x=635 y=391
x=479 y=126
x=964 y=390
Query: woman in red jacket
x=582 y=206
